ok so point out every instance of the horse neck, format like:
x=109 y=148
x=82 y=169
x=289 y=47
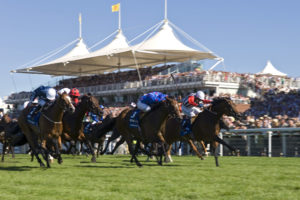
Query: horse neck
x=219 y=112
x=55 y=112
x=80 y=112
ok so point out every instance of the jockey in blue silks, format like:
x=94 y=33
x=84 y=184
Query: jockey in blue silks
x=147 y=101
x=45 y=96
x=94 y=119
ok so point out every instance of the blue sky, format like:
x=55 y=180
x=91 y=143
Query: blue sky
x=245 y=33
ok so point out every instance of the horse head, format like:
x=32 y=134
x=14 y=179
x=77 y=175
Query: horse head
x=225 y=106
x=64 y=102
x=91 y=104
x=5 y=119
x=172 y=106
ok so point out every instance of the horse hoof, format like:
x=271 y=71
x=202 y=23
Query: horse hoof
x=202 y=158
x=42 y=165
x=60 y=161
x=93 y=159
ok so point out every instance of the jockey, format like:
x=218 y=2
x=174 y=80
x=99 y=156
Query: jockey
x=148 y=101
x=64 y=90
x=191 y=107
x=92 y=119
x=145 y=104
x=74 y=94
x=45 y=95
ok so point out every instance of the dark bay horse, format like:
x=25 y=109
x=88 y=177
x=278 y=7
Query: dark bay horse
x=206 y=126
x=73 y=122
x=152 y=124
x=49 y=130
x=11 y=135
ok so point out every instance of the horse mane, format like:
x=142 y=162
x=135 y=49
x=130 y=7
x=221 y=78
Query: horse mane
x=217 y=100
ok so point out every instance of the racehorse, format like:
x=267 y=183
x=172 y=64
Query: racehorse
x=49 y=130
x=206 y=126
x=171 y=134
x=151 y=124
x=11 y=135
x=73 y=125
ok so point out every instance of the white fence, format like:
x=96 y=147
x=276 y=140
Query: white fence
x=264 y=141
x=251 y=142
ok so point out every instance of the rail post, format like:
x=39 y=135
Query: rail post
x=283 y=140
x=269 y=143
x=248 y=145
x=221 y=145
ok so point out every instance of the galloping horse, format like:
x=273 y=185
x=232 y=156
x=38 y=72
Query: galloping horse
x=206 y=126
x=12 y=135
x=49 y=130
x=73 y=125
x=152 y=124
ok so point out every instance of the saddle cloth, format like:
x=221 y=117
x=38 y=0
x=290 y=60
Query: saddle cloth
x=34 y=118
x=134 y=119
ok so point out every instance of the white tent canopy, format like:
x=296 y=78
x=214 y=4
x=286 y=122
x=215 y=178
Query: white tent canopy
x=79 y=50
x=271 y=70
x=118 y=43
x=163 y=47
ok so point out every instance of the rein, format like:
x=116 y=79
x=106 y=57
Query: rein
x=50 y=120
x=209 y=110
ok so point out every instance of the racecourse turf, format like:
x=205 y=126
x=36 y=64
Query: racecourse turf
x=114 y=177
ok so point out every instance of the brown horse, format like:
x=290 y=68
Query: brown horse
x=49 y=130
x=171 y=134
x=11 y=135
x=206 y=126
x=73 y=125
x=152 y=124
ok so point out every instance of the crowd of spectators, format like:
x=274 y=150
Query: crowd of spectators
x=274 y=109
x=110 y=78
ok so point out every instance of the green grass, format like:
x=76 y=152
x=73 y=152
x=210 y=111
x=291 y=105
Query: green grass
x=114 y=177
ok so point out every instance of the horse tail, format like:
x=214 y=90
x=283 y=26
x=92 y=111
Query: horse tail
x=105 y=127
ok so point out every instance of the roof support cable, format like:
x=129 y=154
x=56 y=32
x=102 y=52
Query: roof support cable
x=157 y=27
x=14 y=82
x=97 y=43
x=140 y=35
x=66 y=46
x=191 y=39
x=41 y=57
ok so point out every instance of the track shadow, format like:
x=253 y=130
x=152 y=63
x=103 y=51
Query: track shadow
x=154 y=163
x=104 y=167
x=17 y=168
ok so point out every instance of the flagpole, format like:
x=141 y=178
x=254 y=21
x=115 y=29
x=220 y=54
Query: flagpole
x=120 y=17
x=166 y=10
x=80 y=27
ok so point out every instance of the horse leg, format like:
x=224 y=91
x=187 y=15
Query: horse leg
x=57 y=152
x=219 y=140
x=106 y=146
x=45 y=152
x=98 y=149
x=133 y=152
x=12 y=149
x=89 y=145
x=168 y=157
x=114 y=136
x=214 y=146
x=195 y=149
x=121 y=141
x=203 y=147
x=3 y=150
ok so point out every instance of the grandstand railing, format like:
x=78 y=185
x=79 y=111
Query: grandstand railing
x=287 y=139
